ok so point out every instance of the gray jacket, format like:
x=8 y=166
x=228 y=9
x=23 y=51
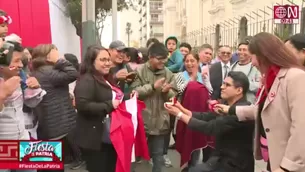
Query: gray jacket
x=12 y=117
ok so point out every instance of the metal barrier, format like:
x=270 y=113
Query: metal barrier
x=230 y=32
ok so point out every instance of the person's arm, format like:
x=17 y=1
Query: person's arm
x=178 y=59
x=85 y=98
x=243 y=113
x=64 y=73
x=143 y=90
x=294 y=156
x=212 y=127
x=172 y=92
x=207 y=83
x=181 y=83
x=255 y=81
x=204 y=116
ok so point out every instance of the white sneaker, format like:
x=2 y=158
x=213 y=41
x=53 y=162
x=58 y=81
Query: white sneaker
x=150 y=162
x=167 y=161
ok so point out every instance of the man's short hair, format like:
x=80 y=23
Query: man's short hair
x=150 y=41
x=240 y=80
x=205 y=46
x=298 y=41
x=157 y=49
x=186 y=45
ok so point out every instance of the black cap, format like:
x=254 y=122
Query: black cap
x=118 y=45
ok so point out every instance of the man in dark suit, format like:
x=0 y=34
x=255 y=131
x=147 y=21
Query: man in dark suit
x=219 y=70
x=233 y=139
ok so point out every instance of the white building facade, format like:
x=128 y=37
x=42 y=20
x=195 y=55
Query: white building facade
x=151 y=20
x=196 y=22
x=132 y=37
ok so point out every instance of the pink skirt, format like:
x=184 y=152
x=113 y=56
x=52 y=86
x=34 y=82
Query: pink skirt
x=264 y=149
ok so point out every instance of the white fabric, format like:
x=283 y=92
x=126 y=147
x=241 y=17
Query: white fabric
x=71 y=88
x=132 y=108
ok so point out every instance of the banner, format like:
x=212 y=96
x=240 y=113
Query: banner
x=16 y=154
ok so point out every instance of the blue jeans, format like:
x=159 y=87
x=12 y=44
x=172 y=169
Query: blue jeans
x=156 y=148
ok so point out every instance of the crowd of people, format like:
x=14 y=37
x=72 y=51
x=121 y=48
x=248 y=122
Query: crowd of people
x=121 y=105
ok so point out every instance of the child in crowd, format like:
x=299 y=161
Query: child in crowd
x=175 y=58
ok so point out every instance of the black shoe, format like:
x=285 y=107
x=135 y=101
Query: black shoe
x=173 y=146
x=77 y=165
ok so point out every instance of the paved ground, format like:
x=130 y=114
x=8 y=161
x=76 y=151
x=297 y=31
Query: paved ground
x=174 y=156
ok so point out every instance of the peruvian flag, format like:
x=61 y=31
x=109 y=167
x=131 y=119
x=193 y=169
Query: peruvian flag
x=127 y=133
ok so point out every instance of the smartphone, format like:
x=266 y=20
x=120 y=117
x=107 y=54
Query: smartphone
x=131 y=76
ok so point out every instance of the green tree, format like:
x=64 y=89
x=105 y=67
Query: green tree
x=102 y=9
x=283 y=31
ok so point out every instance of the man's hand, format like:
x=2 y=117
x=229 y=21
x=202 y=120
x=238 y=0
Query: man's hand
x=121 y=74
x=9 y=86
x=166 y=87
x=134 y=93
x=172 y=109
x=159 y=83
x=221 y=108
x=32 y=82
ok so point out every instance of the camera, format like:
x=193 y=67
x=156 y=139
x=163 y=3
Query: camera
x=6 y=52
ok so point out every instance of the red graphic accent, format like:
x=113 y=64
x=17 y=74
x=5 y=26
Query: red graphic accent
x=32 y=165
x=9 y=150
x=28 y=157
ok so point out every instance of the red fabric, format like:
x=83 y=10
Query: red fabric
x=267 y=82
x=31 y=20
x=122 y=136
x=195 y=99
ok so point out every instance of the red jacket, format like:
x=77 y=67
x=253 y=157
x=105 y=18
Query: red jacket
x=123 y=137
x=194 y=98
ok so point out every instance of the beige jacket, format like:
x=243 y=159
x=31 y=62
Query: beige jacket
x=283 y=117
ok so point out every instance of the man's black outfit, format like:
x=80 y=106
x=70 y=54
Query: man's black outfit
x=234 y=139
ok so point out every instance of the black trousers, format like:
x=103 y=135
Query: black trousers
x=103 y=160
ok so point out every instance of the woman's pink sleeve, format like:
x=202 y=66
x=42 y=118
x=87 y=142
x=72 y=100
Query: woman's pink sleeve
x=245 y=113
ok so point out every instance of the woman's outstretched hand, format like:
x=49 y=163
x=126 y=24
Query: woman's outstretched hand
x=221 y=109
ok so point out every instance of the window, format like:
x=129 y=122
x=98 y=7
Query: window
x=157 y=29
x=156 y=17
x=156 y=5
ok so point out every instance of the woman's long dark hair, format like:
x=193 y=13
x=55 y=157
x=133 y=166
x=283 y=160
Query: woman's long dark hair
x=72 y=59
x=87 y=65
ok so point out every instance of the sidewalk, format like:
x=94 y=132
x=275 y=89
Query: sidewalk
x=175 y=158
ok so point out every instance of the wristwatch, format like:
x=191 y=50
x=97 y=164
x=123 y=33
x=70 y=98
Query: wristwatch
x=180 y=114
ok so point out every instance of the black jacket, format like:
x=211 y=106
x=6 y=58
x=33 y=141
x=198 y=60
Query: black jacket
x=56 y=114
x=93 y=99
x=234 y=139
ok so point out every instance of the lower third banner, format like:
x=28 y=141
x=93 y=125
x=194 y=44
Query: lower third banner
x=16 y=154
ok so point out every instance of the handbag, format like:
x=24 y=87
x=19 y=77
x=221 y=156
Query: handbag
x=106 y=131
x=107 y=120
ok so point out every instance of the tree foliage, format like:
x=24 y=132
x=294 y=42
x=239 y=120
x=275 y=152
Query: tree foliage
x=283 y=31
x=102 y=8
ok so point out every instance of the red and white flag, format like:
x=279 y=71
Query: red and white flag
x=127 y=133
